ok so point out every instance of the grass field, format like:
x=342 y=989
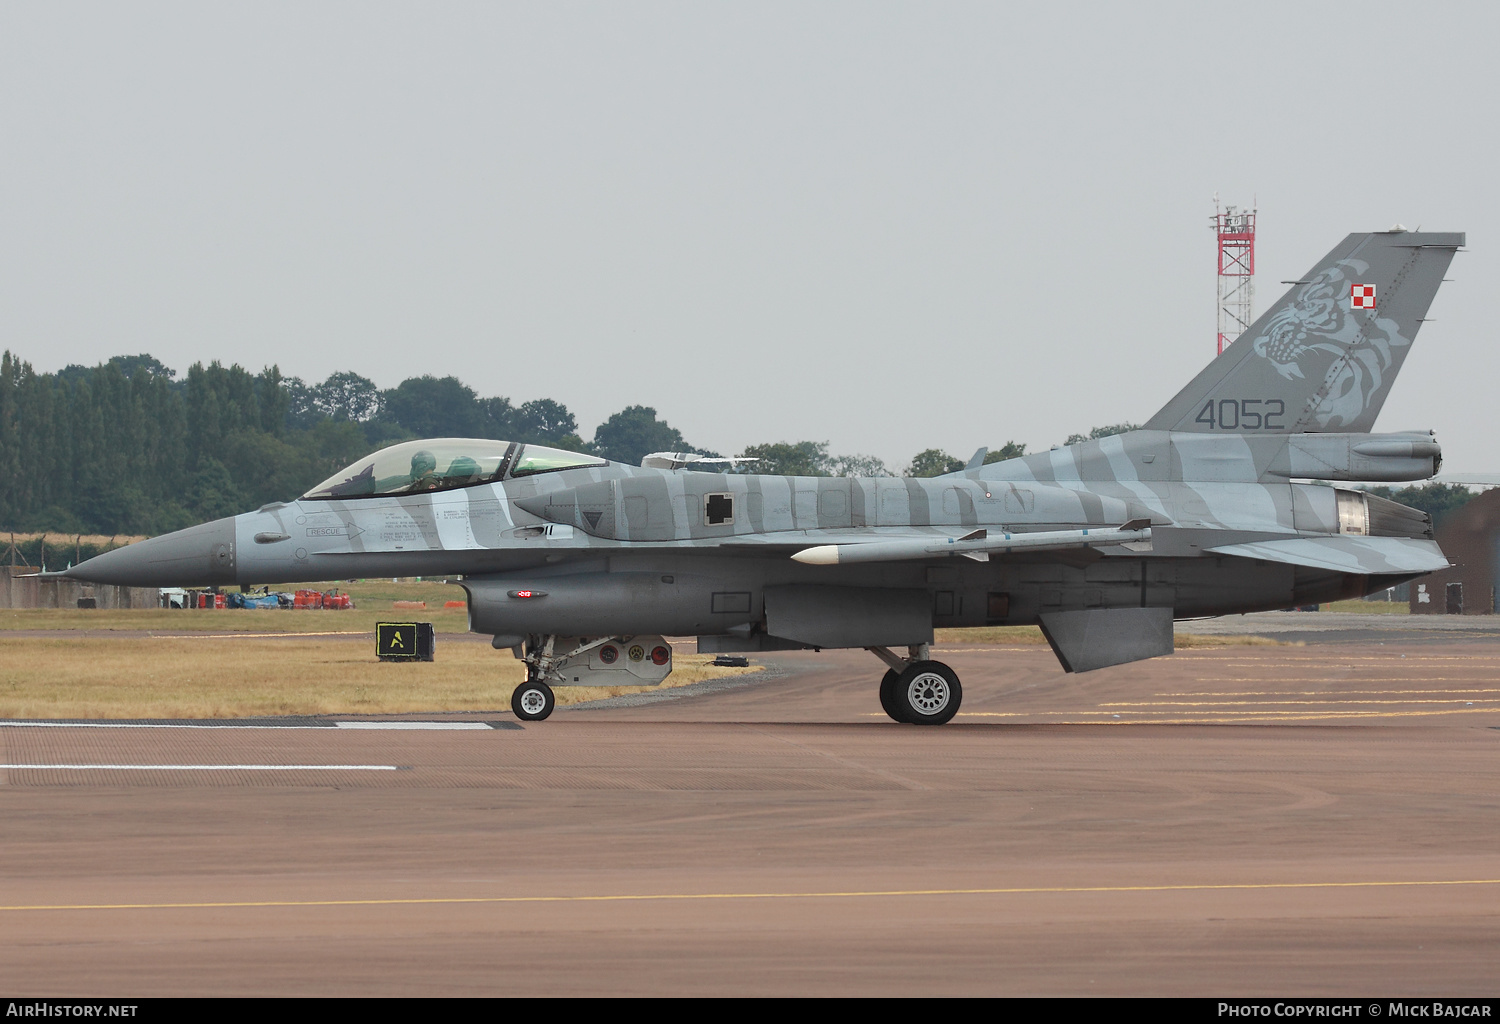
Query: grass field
x=236 y=677
x=64 y=543
x=1358 y=607
x=246 y=662
x=360 y=619
x=373 y=601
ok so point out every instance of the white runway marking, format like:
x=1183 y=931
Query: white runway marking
x=144 y=725
x=204 y=767
x=256 y=636
x=230 y=725
x=412 y=725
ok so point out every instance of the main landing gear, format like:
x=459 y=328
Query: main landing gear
x=918 y=690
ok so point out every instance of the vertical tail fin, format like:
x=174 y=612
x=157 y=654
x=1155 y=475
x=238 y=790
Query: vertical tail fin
x=1324 y=356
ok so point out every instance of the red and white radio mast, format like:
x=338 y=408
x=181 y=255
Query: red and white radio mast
x=1236 y=231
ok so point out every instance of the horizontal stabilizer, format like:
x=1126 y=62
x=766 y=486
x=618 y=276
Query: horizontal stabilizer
x=1100 y=637
x=1364 y=556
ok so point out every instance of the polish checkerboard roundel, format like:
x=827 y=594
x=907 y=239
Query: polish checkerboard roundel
x=1361 y=296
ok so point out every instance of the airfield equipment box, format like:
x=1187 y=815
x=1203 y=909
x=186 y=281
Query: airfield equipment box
x=403 y=641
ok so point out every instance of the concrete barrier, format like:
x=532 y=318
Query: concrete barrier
x=18 y=589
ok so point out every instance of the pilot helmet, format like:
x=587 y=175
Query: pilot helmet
x=422 y=463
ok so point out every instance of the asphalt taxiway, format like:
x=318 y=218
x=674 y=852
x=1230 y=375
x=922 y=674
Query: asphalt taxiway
x=1314 y=819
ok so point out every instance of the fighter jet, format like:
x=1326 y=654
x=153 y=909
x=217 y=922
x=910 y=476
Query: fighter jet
x=1225 y=502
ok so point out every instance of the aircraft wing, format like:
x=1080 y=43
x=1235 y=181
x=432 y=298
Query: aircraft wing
x=1363 y=555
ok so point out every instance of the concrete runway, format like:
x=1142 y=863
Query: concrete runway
x=1320 y=819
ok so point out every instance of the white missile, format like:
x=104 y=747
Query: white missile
x=978 y=545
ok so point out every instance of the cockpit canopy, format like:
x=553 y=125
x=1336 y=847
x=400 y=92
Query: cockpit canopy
x=441 y=464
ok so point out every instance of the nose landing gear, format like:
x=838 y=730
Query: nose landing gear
x=532 y=701
x=553 y=660
x=918 y=690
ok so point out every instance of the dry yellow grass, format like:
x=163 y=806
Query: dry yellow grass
x=373 y=602
x=1358 y=607
x=67 y=540
x=355 y=620
x=1190 y=640
x=211 y=677
x=228 y=672
x=372 y=609
x=990 y=635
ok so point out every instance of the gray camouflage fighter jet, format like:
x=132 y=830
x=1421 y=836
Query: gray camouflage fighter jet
x=579 y=566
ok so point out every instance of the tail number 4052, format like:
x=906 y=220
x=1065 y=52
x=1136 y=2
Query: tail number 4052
x=1243 y=414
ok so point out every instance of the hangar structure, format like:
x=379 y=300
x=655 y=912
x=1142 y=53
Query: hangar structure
x=1470 y=538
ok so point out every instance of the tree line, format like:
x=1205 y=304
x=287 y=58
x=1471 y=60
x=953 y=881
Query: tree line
x=126 y=447
x=129 y=447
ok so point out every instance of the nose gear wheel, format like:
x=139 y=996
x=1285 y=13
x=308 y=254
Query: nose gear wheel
x=532 y=701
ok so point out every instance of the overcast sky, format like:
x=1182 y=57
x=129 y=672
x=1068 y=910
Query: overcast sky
x=890 y=226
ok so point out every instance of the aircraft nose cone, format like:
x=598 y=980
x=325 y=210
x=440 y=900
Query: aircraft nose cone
x=196 y=557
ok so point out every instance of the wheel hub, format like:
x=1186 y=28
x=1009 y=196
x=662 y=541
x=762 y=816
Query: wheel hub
x=928 y=693
x=533 y=701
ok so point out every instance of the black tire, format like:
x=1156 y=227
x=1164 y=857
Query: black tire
x=928 y=693
x=532 y=701
x=888 y=699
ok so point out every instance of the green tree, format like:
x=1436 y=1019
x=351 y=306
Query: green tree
x=498 y=417
x=125 y=446
x=381 y=433
x=789 y=458
x=266 y=468
x=574 y=443
x=543 y=421
x=328 y=446
x=1009 y=450
x=11 y=370
x=142 y=365
x=933 y=462
x=633 y=433
x=431 y=406
x=1098 y=432
x=346 y=396
x=1438 y=500
x=272 y=401
x=212 y=493
x=857 y=465
x=301 y=403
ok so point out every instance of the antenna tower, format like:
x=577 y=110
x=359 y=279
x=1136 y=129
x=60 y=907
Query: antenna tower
x=1236 y=231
